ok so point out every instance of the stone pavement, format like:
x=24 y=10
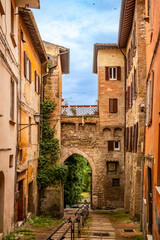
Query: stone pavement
x=100 y=224
x=98 y=227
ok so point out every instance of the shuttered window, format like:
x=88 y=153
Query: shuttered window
x=37 y=83
x=126 y=99
x=129 y=96
x=130 y=140
x=134 y=84
x=119 y=73
x=149 y=100
x=107 y=73
x=12 y=99
x=113 y=105
x=110 y=145
x=27 y=68
x=113 y=73
x=127 y=139
x=136 y=137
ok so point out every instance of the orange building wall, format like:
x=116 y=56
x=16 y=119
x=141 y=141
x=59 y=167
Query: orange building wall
x=30 y=104
x=152 y=132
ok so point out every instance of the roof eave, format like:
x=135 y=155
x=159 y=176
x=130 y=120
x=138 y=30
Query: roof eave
x=40 y=50
x=101 y=46
x=127 y=13
x=28 y=3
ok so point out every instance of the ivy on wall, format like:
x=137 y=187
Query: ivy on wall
x=48 y=170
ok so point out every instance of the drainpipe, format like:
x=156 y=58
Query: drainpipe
x=15 y=182
x=124 y=104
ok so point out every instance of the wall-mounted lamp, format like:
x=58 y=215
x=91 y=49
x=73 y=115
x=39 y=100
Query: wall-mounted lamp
x=37 y=118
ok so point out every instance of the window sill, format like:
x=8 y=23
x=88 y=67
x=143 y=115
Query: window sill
x=13 y=40
x=12 y=122
x=158 y=189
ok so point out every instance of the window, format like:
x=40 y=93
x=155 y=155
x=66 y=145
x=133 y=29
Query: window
x=117 y=146
x=12 y=99
x=12 y=19
x=29 y=130
x=113 y=73
x=112 y=167
x=27 y=67
x=113 y=145
x=115 y=182
x=10 y=161
x=113 y=105
x=37 y=83
x=149 y=100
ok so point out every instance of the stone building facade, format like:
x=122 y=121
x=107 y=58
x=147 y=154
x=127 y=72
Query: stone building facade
x=97 y=132
x=58 y=64
x=151 y=183
x=32 y=58
x=9 y=72
x=132 y=38
x=8 y=113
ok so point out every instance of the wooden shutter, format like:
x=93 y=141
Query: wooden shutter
x=129 y=96
x=136 y=137
x=25 y=64
x=35 y=84
x=115 y=105
x=126 y=99
x=131 y=93
x=151 y=98
x=110 y=145
x=130 y=140
x=135 y=35
x=107 y=73
x=127 y=139
x=119 y=73
x=30 y=72
x=111 y=105
x=39 y=85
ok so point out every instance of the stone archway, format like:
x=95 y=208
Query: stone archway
x=81 y=153
x=97 y=187
x=1 y=200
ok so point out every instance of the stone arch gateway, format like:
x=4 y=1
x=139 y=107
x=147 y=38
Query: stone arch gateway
x=88 y=140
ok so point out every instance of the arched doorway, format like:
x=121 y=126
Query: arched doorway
x=1 y=201
x=78 y=186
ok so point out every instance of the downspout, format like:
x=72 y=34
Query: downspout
x=124 y=105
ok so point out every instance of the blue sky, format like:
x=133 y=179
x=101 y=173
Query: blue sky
x=77 y=25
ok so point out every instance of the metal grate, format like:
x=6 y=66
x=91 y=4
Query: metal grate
x=80 y=110
x=128 y=230
x=100 y=234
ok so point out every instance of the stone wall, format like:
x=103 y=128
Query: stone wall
x=136 y=114
x=92 y=144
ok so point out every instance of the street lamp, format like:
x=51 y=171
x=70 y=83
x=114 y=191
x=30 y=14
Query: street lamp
x=37 y=118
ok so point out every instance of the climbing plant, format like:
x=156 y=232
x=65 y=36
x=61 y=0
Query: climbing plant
x=78 y=179
x=48 y=170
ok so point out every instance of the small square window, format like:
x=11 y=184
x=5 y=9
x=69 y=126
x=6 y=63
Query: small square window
x=117 y=146
x=11 y=161
x=115 y=182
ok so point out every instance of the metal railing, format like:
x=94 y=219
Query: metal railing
x=79 y=110
x=80 y=217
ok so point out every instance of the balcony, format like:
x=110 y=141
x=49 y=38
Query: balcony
x=80 y=110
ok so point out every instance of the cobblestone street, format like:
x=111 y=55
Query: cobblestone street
x=100 y=224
